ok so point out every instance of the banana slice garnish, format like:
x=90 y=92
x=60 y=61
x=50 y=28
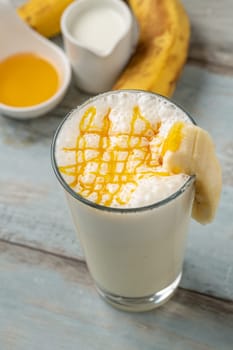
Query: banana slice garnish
x=189 y=149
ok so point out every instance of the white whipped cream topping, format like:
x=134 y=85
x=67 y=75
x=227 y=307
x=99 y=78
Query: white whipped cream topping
x=155 y=109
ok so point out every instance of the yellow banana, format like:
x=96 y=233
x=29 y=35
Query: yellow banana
x=44 y=15
x=190 y=149
x=162 y=49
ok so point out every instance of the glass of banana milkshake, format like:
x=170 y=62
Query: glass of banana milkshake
x=131 y=205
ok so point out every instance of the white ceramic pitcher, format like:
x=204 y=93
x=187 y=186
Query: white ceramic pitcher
x=94 y=70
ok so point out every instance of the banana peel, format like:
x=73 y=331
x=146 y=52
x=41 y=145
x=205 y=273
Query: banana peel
x=162 y=49
x=44 y=15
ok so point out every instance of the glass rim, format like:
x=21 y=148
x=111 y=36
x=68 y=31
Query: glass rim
x=100 y=207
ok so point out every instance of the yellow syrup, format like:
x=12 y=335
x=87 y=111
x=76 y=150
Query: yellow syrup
x=27 y=79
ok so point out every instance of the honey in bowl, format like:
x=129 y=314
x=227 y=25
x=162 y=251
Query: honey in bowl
x=27 y=79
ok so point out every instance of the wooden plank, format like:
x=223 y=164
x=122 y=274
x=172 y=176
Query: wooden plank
x=212 y=29
x=209 y=260
x=31 y=201
x=47 y=302
x=33 y=209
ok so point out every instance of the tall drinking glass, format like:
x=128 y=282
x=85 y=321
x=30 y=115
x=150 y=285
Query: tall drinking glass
x=134 y=255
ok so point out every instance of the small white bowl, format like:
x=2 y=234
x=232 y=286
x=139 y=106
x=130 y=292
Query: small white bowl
x=16 y=37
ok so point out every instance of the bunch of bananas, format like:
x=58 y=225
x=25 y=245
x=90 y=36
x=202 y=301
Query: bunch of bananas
x=162 y=48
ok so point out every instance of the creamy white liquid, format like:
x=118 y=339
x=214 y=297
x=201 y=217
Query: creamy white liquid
x=139 y=253
x=98 y=28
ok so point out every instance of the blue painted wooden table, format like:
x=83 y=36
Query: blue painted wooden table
x=47 y=298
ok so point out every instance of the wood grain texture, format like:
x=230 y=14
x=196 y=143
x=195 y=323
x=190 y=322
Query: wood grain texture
x=33 y=210
x=48 y=303
x=31 y=202
x=212 y=29
x=209 y=259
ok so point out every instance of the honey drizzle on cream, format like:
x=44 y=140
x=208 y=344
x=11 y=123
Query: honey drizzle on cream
x=130 y=166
